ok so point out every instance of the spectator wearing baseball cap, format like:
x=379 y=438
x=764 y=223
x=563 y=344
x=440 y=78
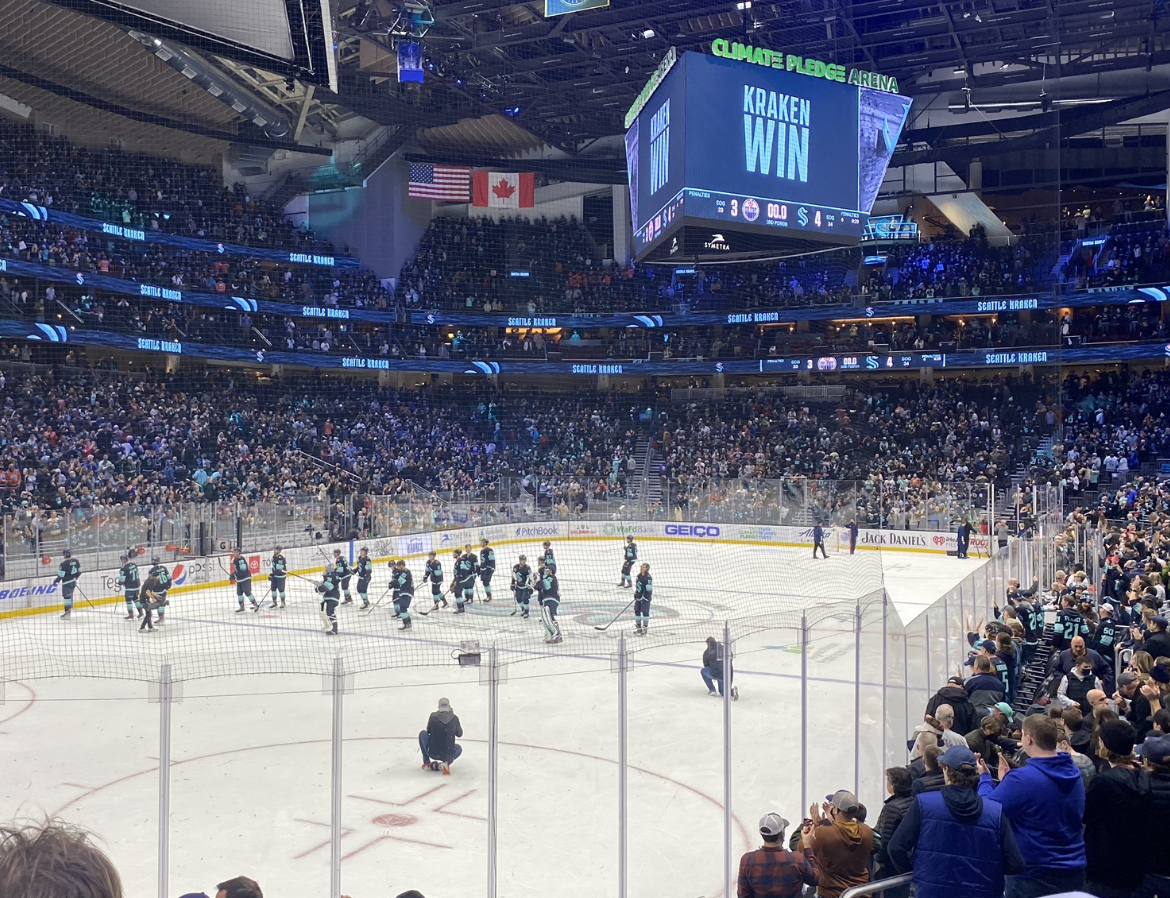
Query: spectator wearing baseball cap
x=952 y=840
x=772 y=871
x=1045 y=802
x=1108 y=632
x=841 y=844
x=1156 y=762
x=1116 y=807
x=984 y=688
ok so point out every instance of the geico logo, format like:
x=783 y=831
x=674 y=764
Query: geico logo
x=692 y=530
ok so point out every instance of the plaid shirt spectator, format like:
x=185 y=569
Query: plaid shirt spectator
x=775 y=872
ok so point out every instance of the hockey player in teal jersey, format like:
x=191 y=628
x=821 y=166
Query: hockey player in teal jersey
x=643 y=593
x=546 y=557
x=629 y=557
x=522 y=585
x=279 y=576
x=403 y=581
x=469 y=554
x=329 y=590
x=240 y=574
x=344 y=571
x=364 y=568
x=162 y=578
x=433 y=573
x=548 y=590
x=130 y=581
x=463 y=582
x=487 y=568
x=68 y=573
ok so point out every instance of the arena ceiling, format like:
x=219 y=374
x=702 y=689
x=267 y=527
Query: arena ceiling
x=504 y=80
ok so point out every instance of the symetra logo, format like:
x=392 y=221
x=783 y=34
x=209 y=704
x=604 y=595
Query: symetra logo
x=718 y=242
x=701 y=531
x=20 y=592
x=536 y=531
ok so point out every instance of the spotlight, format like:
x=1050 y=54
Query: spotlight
x=648 y=34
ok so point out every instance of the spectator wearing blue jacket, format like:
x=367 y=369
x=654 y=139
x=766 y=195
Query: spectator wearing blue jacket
x=1045 y=802
x=954 y=841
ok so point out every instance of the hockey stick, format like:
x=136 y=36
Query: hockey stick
x=377 y=603
x=434 y=605
x=84 y=596
x=619 y=614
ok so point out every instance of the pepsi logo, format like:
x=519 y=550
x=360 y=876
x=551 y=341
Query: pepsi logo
x=179 y=575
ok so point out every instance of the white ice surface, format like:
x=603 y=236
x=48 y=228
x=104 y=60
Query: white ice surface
x=251 y=753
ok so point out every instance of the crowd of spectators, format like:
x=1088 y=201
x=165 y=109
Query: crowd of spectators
x=141 y=191
x=58 y=246
x=1111 y=424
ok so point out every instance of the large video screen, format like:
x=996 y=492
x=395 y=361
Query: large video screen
x=736 y=144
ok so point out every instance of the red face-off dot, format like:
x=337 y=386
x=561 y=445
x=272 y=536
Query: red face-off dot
x=393 y=820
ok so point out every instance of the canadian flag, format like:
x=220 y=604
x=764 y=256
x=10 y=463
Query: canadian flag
x=503 y=190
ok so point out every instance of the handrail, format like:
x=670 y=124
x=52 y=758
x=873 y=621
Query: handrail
x=878 y=886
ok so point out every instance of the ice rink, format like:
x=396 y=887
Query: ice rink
x=250 y=772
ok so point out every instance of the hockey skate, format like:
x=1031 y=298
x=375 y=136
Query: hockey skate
x=240 y=609
x=66 y=615
x=406 y=625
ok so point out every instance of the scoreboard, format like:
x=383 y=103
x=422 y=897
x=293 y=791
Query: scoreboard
x=742 y=146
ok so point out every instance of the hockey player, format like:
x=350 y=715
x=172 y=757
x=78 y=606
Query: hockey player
x=630 y=556
x=549 y=592
x=403 y=585
x=128 y=579
x=68 y=573
x=522 y=585
x=364 y=570
x=469 y=554
x=162 y=577
x=152 y=598
x=487 y=568
x=547 y=557
x=433 y=571
x=278 y=577
x=344 y=572
x=643 y=593
x=330 y=592
x=393 y=565
x=240 y=574
x=852 y=528
x=463 y=582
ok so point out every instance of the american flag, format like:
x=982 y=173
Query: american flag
x=451 y=183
